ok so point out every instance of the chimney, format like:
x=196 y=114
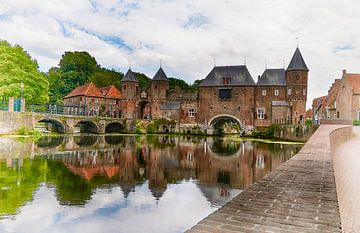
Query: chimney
x=343 y=72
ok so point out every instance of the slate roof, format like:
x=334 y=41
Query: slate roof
x=88 y=89
x=279 y=103
x=111 y=92
x=129 y=77
x=240 y=76
x=354 y=80
x=272 y=77
x=170 y=106
x=160 y=75
x=297 y=62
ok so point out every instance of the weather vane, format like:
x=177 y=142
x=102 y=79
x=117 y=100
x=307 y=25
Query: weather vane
x=160 y=62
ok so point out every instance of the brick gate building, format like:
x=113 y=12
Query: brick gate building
x=227 y=94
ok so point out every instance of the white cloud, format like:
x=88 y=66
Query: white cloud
x=188 y=34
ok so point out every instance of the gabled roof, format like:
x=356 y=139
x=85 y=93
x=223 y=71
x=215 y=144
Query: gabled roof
x=240 y=76
x=111 y=92
x=129 y=77
x=354 y=80
x=160 y=76
x=297 y=62
x=272 y=77
x=88 y=89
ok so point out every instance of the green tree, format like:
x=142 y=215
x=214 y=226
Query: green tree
x=57 y=86
x=144 y=81
x=104 y=77
x=76 y=68
x=17 y=66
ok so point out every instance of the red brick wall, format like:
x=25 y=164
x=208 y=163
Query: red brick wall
x=241 y=96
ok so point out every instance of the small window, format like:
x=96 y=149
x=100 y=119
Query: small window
x=335 y=103
x=124 y=87
x=304 y=91
x=211 y=108
x=260 y=113
x=239 y=108
x=224 y=94
x=276 y=92
x=226 y=80
x=96 y=100
x=80 y=98
x=191 y=112
x=263 y=92
x=155 y=87
x=289 y=91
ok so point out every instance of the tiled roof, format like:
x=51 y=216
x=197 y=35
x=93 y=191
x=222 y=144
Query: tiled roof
x=309 y=113
x=240 y=76
x=111 y=92
x=160 y=75
x=354 y=80
x=272 y=77
x=88 y=89
x=129 y=77
x=170 y=106
x=297 y=62
x=319 y=101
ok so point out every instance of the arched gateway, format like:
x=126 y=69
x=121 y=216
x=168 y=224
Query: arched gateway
x=216 y=123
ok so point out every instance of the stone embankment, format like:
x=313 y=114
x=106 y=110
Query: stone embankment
x=299 y=196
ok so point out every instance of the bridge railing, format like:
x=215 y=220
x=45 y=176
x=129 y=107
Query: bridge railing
x=57 y=109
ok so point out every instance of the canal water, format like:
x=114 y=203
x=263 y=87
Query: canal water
x=125 y=183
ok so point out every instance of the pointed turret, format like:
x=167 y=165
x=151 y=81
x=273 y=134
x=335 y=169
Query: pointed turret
x=297 y=85
x=129 y=77
x=160 y=76
x=297 y=62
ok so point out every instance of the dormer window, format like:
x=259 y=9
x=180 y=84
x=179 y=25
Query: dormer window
x=226 y=80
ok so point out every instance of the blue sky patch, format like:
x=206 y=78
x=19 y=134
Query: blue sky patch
x=343 y=47
x=196 y=20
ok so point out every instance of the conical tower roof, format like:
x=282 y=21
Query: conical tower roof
x=297 y=62
x=129 y=77
x=160 y=75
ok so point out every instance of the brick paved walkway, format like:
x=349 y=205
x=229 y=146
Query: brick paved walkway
x=299 y=196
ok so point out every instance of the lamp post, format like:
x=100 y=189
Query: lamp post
x=22 y=89
x=291 y=112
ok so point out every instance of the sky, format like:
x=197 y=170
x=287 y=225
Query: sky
x=190 y=36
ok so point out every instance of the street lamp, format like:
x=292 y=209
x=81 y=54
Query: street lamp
x=22 y=89
x=291 y=112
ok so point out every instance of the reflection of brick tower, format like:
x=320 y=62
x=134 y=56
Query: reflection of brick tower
x=158 y=92
x=129 y=86
x=296 y=82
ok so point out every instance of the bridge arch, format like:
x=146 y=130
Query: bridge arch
x=53 y=125
x=114 y=127
x=87 y=126
x=219 y=120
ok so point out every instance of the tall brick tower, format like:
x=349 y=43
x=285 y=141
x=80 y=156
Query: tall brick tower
x=296 y=87
x=158 y=91
x=129 y=93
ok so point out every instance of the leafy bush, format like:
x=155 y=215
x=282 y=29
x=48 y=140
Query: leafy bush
x=356 y=122
x=27 y=132
x=308 y=122
x=151 y=128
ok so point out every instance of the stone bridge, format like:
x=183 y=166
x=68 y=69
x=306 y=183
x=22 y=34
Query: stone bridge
x=12 y=121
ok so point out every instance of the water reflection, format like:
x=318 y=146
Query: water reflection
x=78 y=169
